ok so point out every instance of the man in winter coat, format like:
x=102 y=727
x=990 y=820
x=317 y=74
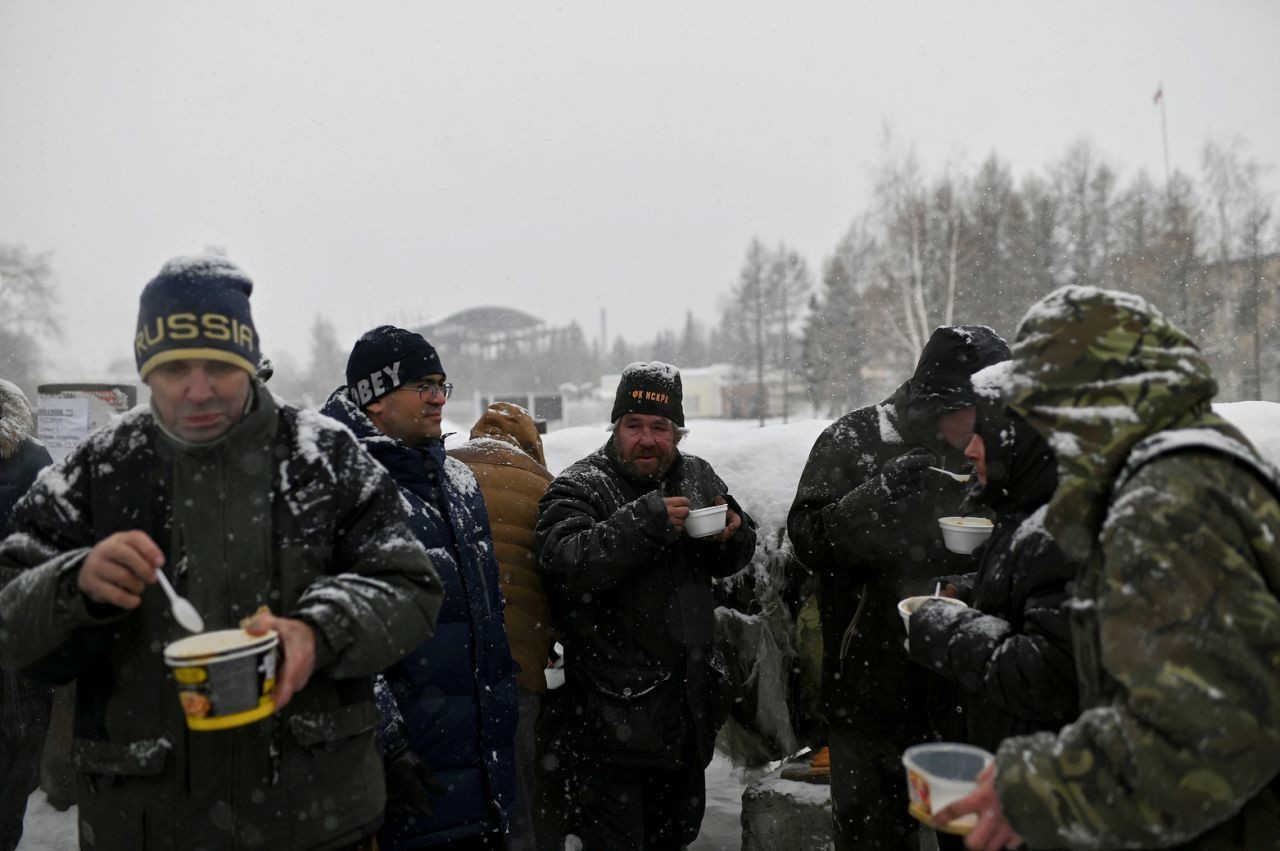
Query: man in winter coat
x=24 y=705
x=450 y=705
x=634 y=726
x=244 y=502
x=1009 y=653
x=865 y=520
x=1176 y=618
x=505 y=455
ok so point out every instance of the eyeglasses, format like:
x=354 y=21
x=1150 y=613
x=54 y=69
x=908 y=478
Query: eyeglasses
x=427 y=389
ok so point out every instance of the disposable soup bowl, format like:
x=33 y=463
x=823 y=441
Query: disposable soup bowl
x=225 y=678
x=940 y=773
x=964 y=534
x=702 y=522
x=908 y=606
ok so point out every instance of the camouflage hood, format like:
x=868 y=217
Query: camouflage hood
x=1095 y=372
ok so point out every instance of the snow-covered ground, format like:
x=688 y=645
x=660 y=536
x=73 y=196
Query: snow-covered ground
x=761 y=466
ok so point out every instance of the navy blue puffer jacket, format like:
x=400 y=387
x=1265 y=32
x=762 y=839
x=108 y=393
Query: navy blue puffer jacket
x=456 y=694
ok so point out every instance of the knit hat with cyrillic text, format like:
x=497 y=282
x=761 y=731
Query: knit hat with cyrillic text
x=197 y=307
x=650 y=387
x=383 y=359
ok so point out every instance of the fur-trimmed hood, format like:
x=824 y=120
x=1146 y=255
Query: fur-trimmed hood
x=16 y=419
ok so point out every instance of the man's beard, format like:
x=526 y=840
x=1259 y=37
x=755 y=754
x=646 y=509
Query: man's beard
x=651 y=474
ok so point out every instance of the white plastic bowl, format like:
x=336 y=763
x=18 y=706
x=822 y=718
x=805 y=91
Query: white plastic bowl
x=907 y=607
x=964 y=534
x=940 y=773
x=706 y=521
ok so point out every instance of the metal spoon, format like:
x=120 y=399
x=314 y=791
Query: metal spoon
x=183 y=612
x=959 y=477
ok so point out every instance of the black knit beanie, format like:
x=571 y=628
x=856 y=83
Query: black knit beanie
x=650 y=387
x=383 y=359
x=197 y=307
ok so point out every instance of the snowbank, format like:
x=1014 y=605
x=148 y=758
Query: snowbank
x=762 y=466
x=1260 y=422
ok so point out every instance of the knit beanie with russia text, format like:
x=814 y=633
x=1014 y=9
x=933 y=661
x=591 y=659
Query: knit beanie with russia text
x=197 y=307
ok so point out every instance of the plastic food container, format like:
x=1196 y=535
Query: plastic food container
x=964 y=534
x=908 y=606
x=225 y=678
x=940 y=773
x=707 y=521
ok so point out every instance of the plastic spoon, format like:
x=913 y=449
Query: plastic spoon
x=183 y=612
x=959 y=477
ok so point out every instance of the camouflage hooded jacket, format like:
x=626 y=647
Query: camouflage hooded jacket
x=1176 y=617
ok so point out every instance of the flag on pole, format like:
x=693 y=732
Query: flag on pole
x=1159 y=95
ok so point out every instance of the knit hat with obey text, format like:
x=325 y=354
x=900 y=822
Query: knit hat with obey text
x=384 y=359
x=650 y=387
x=197 y=307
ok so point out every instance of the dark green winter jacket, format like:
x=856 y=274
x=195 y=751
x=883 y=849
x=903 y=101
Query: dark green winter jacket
x=1176 y=616
x=286 y=510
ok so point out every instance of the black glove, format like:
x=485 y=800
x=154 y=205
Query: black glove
x=410 y=786
x=904 y=476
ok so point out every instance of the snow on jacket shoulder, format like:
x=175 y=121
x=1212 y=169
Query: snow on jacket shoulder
x=456 y=692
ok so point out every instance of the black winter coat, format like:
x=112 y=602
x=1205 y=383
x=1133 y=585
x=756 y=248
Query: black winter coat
x=1010 y=653
x=631 y=599
x=870 y=551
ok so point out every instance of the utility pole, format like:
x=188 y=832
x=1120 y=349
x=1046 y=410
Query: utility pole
x=1185 y=295
x=1164 y=133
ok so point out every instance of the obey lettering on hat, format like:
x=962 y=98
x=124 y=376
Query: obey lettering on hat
x=385 y=359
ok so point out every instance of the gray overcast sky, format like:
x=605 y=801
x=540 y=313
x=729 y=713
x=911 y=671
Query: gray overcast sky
x=393 y=161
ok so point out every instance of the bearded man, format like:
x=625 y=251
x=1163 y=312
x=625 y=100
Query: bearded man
x=633 y=728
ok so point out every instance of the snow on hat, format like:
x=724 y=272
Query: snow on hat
x=650 y=387
x=197 y=307
x=383 y=359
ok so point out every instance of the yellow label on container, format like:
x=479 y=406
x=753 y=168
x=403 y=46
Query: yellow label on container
x=265 y=707
x=190 y=676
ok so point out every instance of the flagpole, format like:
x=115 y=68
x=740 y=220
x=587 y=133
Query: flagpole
x=1164 y=133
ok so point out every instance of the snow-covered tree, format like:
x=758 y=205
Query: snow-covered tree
x=27 y=301
x=789 y=286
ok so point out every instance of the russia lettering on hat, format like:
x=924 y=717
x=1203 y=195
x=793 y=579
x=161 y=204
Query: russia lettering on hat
x=197 y=307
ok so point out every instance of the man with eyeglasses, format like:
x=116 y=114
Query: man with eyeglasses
x=449 y=707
